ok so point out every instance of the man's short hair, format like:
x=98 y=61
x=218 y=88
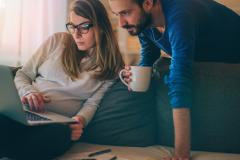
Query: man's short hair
x=140 y=2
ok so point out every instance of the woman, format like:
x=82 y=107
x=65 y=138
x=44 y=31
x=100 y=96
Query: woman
x=69 y=74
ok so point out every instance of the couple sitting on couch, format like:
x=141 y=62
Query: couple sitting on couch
x=70 y=72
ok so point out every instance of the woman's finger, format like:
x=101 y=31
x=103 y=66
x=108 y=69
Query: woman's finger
x=24 y=100
x=35 y=102
x=76 y=126
x=30 y=103
x=40 y=102
x=75 y=138
x=76 y=135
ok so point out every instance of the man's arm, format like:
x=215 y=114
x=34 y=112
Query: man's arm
x=183 y=32
x=149 y=52
x=182 y=121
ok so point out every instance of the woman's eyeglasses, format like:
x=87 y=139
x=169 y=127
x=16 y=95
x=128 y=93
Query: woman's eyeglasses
x=82 y=28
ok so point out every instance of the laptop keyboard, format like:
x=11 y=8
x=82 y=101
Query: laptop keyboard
x=34 y=117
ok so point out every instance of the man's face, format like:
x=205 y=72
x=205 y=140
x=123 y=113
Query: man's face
x=131 y=16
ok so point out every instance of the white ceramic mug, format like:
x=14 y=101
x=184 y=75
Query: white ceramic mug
x=141 y=78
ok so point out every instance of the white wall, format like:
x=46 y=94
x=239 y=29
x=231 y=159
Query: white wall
x=25 y=24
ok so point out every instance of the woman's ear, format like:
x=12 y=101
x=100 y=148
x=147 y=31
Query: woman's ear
x=147 y=5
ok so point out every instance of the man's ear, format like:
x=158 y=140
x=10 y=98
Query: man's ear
x=147 y=5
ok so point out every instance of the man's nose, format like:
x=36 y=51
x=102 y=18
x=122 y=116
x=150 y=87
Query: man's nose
x=122 y=21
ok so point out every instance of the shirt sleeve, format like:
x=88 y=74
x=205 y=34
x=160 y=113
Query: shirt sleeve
x=149 y=52
x=90 y=106
x=182 y=36
x=27 y=74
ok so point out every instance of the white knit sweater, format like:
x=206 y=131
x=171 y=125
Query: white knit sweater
x=44 y=73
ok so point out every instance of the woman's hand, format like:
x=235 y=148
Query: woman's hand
x=77 y=128
x=35 y=101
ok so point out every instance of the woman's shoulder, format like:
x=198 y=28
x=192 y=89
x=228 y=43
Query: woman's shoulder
x=57 y=40
x=60 y=36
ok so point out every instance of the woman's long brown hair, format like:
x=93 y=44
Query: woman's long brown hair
x=106 y=60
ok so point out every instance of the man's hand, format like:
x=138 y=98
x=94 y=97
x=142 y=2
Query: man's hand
x=126 y=75
x=77 y=128
x=175 y=158
x=35 y=101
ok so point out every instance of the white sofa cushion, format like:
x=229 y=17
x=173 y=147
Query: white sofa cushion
x=141 y=153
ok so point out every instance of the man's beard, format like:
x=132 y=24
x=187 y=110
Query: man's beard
x=144 y=22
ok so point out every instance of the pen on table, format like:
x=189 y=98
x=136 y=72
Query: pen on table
x=85 y=159
x=99 y=152
x=113 y=158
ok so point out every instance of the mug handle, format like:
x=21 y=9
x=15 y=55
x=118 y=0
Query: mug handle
x=121 y=78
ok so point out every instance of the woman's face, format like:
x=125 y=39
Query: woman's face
x=83 y=34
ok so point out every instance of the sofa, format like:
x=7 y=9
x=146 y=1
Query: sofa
x=138 y=125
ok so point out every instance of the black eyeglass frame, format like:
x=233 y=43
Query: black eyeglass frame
x=82 y=28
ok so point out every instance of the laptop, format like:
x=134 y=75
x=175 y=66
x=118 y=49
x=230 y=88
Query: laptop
x=12 y=107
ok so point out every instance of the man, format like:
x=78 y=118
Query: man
x=187 y=30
